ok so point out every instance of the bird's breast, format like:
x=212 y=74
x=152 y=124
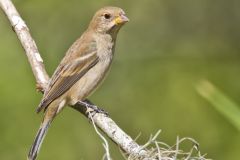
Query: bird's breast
x=90 y=81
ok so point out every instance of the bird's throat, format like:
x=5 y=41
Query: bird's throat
x=105 y=46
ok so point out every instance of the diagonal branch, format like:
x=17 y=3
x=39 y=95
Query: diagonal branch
x=105 y=123
x=27 y=42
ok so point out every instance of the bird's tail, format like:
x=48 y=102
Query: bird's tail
x=38 y=140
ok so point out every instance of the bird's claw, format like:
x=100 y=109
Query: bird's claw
x=93 y=109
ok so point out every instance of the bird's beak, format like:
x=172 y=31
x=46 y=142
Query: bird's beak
x=121 y=19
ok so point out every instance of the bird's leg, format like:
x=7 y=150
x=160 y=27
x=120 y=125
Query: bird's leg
x=91 y=108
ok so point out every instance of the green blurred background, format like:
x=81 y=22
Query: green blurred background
x=162 y=53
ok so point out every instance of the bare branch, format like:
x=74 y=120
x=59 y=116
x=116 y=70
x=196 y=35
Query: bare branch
x=27 y=42
x=111 y=129
x=106 y=124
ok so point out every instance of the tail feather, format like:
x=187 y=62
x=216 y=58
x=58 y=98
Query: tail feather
x=32 y=155
x=43 y=105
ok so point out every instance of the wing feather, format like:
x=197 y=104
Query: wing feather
x=66 y=75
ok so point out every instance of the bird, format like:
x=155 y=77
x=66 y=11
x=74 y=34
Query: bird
x=82 y=69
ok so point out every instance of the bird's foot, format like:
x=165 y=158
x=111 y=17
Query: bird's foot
x=92 y=109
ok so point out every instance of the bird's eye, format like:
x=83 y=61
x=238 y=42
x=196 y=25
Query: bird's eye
x=107 y=16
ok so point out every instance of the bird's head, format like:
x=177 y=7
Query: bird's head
x=108 y=20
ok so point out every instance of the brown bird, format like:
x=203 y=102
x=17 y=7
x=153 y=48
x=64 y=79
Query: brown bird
x=81 y=70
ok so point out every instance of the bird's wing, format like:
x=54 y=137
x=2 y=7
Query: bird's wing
x=66 y=75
